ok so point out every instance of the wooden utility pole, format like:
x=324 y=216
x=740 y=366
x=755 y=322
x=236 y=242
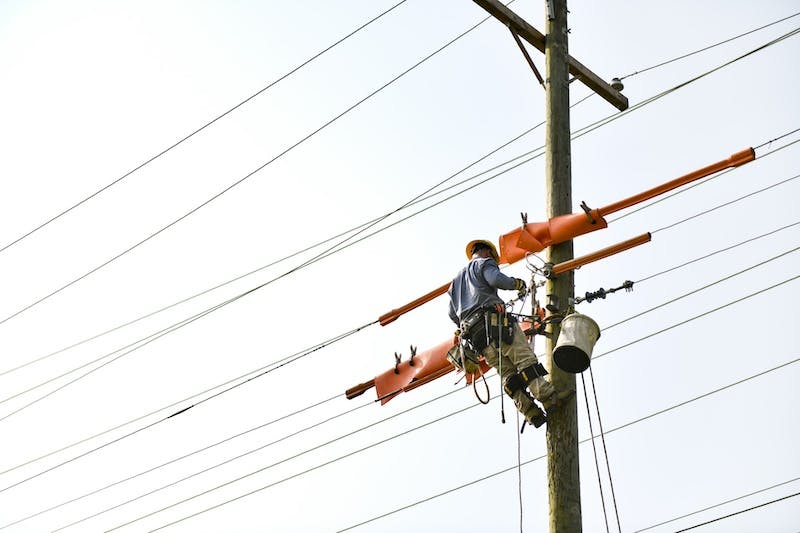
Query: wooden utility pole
x=563 y=472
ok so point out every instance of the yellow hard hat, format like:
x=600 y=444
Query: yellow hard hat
x=472 y=244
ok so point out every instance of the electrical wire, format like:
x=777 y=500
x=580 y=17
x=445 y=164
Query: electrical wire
x=511 y=468
x=699 y=183
x=594 y=450
x=616 y=116
x=538 y=152
x=709 y=47
x=227 y=483
x=701 y=213
x=41 y=384
x=578 y=134
x=718 y=505
x=741 y=512
x=260 y=448
x=402 y=434
x=203 y=127
x=185 y=456
x=594 y=126
x=419 y=199
x=677 y=324
x=721 y=250
x=246 y=177
x=597 y=356
x=605 y=451
x=704 y=287
x=233 y=384
x=767 y=143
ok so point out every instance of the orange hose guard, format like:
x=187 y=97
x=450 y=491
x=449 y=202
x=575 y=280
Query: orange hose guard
x=394 y=314
x=578 y=262
x=737 y=159
x=535 y=237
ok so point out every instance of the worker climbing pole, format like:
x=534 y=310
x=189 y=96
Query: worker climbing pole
x=570 y=336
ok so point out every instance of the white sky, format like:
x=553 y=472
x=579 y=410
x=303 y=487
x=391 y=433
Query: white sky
x=92 y=89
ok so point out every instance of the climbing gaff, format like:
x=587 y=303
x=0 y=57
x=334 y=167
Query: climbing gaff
x=576 y=340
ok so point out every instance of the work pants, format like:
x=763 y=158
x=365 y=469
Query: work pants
x=510 y=359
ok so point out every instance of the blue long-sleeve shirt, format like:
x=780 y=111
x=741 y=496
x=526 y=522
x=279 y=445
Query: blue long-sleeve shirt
x=475 y=287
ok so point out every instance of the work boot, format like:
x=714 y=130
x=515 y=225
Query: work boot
x=535 y=416
x=530 y=410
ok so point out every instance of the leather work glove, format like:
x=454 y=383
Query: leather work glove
x=521 y=288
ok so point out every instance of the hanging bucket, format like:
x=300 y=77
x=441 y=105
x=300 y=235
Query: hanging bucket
x=575 y=343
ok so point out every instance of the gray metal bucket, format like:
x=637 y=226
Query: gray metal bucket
x=573 y=350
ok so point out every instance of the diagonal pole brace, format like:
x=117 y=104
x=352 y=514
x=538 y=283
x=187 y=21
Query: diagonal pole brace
x=528 y=58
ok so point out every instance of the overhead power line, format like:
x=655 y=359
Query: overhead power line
x=597 y=356
x=740 y=512
x=709 y=47
x=513 y=468
x=677 y=324
x=244 y=178
x=759 y=491
x=704 y=287
x=227 y=483
x=400 y=435
x=354 y=230
x=203 y=127
x=720 y=206
x=721 y=250
x=576 y=135
x=230 y=384
x=141 y=343
x=185 y=456
x=262 y=447
x=331 y=251
x=700 y=182
x=538 y=152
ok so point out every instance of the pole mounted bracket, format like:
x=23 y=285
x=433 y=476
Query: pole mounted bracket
x=547 y=271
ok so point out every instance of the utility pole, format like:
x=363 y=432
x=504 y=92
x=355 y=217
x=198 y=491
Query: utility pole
x=563 y=472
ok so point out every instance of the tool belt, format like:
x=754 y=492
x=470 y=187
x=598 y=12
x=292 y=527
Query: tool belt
x=487 y=325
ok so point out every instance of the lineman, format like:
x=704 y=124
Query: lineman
x=480 y=315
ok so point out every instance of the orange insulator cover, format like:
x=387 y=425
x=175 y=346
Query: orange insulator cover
x=428 y=366
x=393 y=381
x=536 y=236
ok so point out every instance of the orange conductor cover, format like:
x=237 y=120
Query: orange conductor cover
x=393 y=381
x=536 y=236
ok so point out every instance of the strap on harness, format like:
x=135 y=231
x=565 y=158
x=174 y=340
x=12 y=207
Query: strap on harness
x=532 y=372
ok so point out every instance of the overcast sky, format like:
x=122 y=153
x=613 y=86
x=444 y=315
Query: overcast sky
x=92 y=90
